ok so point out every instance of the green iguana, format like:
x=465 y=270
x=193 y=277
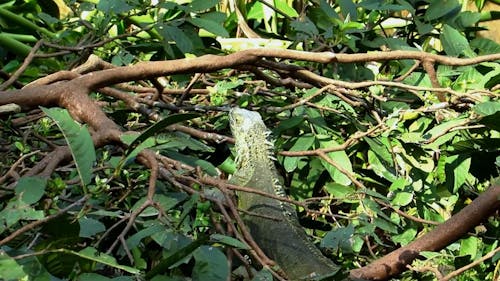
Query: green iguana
x=277 y=230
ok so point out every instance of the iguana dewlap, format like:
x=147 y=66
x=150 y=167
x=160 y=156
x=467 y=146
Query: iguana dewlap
x=277 y=231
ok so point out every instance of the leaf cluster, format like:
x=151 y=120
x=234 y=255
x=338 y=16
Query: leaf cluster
x=376 y=165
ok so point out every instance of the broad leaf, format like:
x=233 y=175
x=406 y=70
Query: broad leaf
x=228 y=240
x=90 y=227
x=405 y=237
x=339 y=157
x=303 y=142
x=94 y=255
x=159 y=126
x=10 y=269
x=202 y=5
x=438 y=9
x=339 y=239
x=402 y=198
x=469 y=246
x=487 y=108
x=30 y=189
x=210 y=264
x=454 y=43
x=210 y=26
x=79 y=141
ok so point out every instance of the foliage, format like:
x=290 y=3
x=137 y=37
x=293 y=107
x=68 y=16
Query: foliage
x=389 y=150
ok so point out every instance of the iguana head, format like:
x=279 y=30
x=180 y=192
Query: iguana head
x=250 y=134
x=243 y=120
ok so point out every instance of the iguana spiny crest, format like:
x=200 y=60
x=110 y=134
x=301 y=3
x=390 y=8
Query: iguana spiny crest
x=273 y=223
x=252 y=143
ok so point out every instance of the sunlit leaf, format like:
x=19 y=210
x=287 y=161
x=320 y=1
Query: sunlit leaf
x=402 y=198
x=405 y=237
x=10 y=269
x=338 y=190
x=339 y=157
x=457 y=170
x=283 y=6
x=469 y=246
x=303 y=142
x=487 y=108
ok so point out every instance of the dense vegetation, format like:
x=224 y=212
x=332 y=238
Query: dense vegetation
x=115 y=142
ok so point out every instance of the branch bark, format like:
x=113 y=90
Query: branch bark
x=443 y=235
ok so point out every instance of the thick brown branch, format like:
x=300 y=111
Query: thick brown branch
x=444 y=234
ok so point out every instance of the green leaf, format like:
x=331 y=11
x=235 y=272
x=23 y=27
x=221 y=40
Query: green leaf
x=454 y=43
x=94 y=255
x=210 y=264
x=341 y=159
x=438 y=130
x=469 y=79
x=202 y=5
x=380 y=168
x=287 y=124
x=30 y=189
x=304 y=142
x=402 y=198
x=418 y=158
x=98 y=277
x=339 y=239
x=210 y=26
x=90 y=227
x=487 y=108
x=328 y=10
x=193 y=161
x=485 y=46
x=157 y=127
x=15 y=211
x=79 y=141
x=283 y=6
x=469 y=246
x=178 y=255
x=398 y=184
x=492 y=78
x=177 y=35
x=457 y=171
x=438 y=9
x=404 y=238
x=10 y=269
x=134 y=240
x=385 y=225
x=348 y=8
x=305 y=25
x=166 y=202
x=380 y=147
x=338 y=190
x=114 y=6
x=228 y=240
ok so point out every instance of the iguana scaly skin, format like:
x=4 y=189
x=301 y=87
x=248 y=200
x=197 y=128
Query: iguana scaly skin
x=276 y=230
